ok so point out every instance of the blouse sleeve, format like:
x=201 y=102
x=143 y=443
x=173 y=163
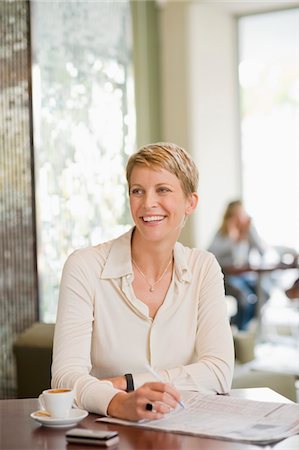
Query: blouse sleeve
x=72 y=339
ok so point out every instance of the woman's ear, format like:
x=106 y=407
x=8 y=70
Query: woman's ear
x=192 y=203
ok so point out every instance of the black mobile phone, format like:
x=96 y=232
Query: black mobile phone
x=92 y=437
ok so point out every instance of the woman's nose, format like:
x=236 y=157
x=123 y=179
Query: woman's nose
x=150 y=200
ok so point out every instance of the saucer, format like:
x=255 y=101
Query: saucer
x=76 y=415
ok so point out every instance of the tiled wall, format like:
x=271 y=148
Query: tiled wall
x=18 y=275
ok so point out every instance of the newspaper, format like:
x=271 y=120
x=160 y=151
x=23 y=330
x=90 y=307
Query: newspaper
x=227 y=418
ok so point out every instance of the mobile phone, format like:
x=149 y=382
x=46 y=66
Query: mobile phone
x=92 y=437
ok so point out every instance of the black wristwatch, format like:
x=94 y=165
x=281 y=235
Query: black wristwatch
x=130 y=382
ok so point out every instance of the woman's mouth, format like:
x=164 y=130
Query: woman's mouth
x=153 y=219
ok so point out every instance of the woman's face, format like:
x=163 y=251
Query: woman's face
x=158 y=203
x=240 y=215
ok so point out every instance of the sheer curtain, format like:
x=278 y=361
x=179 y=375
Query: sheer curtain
x=84 y=129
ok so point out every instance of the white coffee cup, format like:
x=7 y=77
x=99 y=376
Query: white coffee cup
x=57 y=402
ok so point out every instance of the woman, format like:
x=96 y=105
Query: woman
x=232 y=246
x=143 y=300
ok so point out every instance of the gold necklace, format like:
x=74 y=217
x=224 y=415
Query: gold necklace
x=151 y=286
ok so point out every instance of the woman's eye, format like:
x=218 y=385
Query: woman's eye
x=163 y=190
x=136 y=191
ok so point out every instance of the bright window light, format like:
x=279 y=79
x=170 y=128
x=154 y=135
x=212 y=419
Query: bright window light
x=269 y=93
x=84 y=130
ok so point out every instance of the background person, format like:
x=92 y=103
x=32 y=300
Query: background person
x=144 y=299
x=232 y=245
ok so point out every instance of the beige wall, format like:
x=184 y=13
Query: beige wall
x=175 y=84
x=214 y=106
x=200 y=104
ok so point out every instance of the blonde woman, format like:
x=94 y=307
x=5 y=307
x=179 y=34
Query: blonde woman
x=144 y=300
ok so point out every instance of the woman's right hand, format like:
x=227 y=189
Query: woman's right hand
x=132 y=405
x=238 y=229
x=233 y=229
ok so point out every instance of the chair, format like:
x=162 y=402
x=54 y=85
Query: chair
x=246 y=377
x=33 y=356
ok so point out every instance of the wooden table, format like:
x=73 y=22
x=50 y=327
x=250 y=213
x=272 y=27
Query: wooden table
x=19 y=432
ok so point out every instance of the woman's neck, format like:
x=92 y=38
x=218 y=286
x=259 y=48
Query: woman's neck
x=151 y=256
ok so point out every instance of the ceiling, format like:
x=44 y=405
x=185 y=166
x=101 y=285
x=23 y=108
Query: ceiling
x=248 y=7
x=240 y=7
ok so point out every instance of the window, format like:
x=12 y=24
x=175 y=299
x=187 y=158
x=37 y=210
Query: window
x=84 y=122
x=269 y=90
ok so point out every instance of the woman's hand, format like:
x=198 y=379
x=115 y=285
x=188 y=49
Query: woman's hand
x=244 y=227
x=132 y=405
x=233 y=229
x=238 y=228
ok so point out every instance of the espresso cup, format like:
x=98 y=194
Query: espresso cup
x=57 y=402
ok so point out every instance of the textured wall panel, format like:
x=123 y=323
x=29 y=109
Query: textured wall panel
x=18 y=276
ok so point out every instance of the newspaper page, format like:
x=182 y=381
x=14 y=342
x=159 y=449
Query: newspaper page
x=227 y=418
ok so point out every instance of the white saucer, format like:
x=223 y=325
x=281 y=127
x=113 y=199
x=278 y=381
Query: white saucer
x=76 y=415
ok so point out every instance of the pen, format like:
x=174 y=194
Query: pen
x=159 y=378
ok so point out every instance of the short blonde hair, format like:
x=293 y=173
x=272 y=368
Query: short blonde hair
x=170 y=157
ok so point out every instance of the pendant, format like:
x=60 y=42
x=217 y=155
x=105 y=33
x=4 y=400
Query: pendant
x=151 y=289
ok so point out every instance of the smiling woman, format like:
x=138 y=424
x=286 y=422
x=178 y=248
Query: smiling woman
x=158 y=201
x=159 y=208
x=122 y=302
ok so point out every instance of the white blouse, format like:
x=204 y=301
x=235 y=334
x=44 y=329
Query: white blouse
x=103 y=330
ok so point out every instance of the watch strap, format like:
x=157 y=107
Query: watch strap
x=130 y=382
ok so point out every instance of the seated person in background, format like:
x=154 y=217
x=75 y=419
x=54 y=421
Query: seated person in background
x=232 y=245
x=143 y=299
